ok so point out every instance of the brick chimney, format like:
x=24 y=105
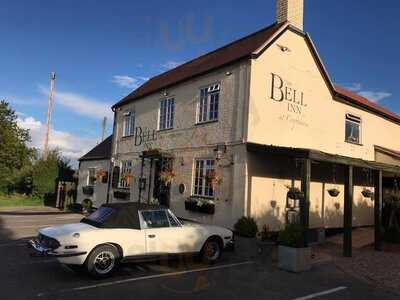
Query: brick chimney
x=291 y=11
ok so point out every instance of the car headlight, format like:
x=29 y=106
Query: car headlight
x=76 y=235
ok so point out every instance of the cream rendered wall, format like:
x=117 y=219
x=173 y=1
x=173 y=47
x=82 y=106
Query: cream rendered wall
x=188 y=140
x=100 y=189
x=320 y=125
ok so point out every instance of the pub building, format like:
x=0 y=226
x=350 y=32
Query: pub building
x=234 y=132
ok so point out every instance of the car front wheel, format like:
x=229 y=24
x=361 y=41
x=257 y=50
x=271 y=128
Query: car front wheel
x=211 y=250
x=102 y=261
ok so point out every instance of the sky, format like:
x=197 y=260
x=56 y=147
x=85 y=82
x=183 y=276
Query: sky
x=102 y=50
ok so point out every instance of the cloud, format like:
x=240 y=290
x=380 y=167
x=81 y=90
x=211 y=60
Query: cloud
x=81 y=105
x=171 y=64
x=374 y=96
x=70 y=145
x=126 y=81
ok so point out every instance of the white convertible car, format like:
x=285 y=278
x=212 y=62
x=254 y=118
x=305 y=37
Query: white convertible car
x=120 y=232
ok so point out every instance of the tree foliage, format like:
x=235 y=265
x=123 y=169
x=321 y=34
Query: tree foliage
x=15 y=155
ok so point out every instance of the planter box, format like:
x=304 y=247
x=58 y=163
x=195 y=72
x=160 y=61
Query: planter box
x=204 y=209
x=122 y=195
x=294 y=259
x=87 y=190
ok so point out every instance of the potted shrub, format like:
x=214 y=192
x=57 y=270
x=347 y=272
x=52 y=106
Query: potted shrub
x=246 y=227
x=88 y=190
x=293 y=256
x=87 y=205
x=333 y=192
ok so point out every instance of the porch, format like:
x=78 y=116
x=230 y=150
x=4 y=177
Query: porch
x=379 y=174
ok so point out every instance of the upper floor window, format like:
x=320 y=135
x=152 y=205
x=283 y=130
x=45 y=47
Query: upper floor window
x=353 y=129
x=129 y=124
x=209 y=103
x=166 y=114
x=126 y=174
x=203 y=176
x=91 y=179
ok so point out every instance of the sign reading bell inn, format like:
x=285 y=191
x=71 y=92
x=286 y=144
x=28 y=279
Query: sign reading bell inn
x=282 y=92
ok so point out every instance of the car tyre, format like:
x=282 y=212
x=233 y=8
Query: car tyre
x=211 y=251
x=102 y=261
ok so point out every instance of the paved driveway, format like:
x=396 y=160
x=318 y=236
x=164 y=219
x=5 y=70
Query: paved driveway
x=234 y=277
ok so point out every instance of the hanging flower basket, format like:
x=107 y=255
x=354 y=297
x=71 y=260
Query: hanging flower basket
x=215 y=180
x=294 y=193
x=127 y=177
x=167 y=175
x=367 y=193
x=100 y=174
x=334 y=192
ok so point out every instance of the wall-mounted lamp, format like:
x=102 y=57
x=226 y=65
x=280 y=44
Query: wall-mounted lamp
x=228 y=73
x=219 y=151
x=165 y=93
x=283 y=48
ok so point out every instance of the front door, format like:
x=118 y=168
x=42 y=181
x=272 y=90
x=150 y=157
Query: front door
x=162 y=189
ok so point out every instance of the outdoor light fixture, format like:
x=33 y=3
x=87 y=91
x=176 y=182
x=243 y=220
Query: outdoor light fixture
x=219 y=151
x=165 y=93
x=228 y=73
x=284 y=48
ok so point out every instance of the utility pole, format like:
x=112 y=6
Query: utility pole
x=103 y=128
x=49 y=111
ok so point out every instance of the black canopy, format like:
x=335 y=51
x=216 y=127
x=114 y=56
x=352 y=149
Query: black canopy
x=118 y=215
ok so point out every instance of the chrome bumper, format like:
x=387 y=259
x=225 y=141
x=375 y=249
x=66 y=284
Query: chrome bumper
x=41 y=251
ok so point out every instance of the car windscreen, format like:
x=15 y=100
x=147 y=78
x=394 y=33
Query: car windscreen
x=99 y=217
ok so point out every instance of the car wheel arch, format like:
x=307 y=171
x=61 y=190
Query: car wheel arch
x=115 y=245
x=217 y=238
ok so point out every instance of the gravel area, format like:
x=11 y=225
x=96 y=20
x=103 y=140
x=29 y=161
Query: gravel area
x=382 y=269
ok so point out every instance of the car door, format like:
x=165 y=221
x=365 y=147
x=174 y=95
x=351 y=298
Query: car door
x=163 y=235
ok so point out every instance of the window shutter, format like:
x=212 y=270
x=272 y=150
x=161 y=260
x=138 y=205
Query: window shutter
x=115 y=177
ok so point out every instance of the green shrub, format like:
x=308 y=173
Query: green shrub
x=292 y=236
x=246 y=227
x=87 y=204
x=392 y=235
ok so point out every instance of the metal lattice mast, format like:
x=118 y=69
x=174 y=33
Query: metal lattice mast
x=49 y=111
x=103 y=128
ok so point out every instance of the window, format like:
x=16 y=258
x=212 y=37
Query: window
x=353 y=129
x=126 y=174
x=204 y=168
x=166 y=114
x=91 y=180
x=155 y=218
x=129 y=124
x=209 y=103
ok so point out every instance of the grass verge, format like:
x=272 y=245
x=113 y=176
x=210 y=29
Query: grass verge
x=19 y=200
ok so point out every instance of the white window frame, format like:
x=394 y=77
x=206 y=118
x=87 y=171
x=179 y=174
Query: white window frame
x=166 y=114
x=123 y=168
x=202 y=188
x=88 y=176
x=209 y=104
x=128 y=128
x=354 y=119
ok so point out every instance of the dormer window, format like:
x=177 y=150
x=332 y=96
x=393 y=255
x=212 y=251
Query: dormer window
x=129 y=124
x=353 y=129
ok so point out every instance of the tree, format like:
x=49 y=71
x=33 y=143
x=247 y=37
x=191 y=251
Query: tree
x=15 y=155
x=47 y=173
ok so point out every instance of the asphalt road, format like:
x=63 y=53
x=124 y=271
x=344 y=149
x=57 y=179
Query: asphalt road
x=234 y=277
